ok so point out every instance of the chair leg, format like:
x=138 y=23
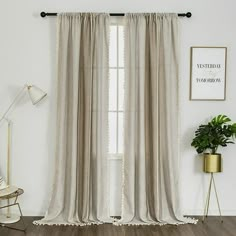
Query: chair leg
x=21 y=216
x=21 y=219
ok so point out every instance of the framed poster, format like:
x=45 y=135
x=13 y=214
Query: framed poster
x=208 y=73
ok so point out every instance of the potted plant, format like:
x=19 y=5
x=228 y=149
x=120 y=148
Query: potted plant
x=209 y=137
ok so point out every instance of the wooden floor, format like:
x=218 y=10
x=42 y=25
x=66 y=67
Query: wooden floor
x=212 y=227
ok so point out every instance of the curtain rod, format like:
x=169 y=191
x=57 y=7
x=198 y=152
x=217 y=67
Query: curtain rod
x=44 y=14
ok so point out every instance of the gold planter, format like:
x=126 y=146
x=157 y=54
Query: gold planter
x=212 y=163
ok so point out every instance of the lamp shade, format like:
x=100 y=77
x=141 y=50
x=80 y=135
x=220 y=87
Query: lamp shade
x=36 y=94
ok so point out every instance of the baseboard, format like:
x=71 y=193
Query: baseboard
x=187 y=212
x=25 y=212
x=214 y=212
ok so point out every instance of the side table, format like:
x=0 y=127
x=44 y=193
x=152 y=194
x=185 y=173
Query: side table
x=13 y=196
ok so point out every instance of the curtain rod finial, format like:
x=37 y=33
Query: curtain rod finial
x=188 y=14
x=43 y=14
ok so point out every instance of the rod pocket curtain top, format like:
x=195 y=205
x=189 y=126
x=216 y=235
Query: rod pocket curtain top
x=80 y=194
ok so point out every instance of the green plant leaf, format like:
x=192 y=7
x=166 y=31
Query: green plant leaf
x=220 y=119
x=217 y=132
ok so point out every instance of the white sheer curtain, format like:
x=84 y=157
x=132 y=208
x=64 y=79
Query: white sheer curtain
x=80 y=194
x=150 y=190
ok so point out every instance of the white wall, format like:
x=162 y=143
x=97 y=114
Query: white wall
x=27 y=55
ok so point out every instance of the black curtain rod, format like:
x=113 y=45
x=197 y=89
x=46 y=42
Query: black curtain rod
x=44 y=14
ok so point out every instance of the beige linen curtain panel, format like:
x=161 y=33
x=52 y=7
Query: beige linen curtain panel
x=150 y=194
x=151 y=155
x=80 y=194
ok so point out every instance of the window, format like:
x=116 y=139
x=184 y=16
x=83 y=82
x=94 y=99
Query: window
x=116 y=91
x=116 y=115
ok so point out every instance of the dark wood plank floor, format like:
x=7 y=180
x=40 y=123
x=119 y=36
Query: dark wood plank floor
x=212 y=227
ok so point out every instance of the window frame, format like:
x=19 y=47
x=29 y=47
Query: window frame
x=118 y=22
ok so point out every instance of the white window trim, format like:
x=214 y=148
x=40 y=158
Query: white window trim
x=117 y=21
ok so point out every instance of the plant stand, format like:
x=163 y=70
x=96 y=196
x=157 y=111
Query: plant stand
x=212 y=182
